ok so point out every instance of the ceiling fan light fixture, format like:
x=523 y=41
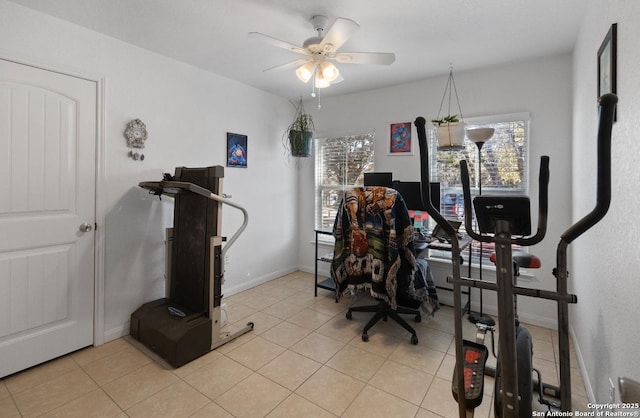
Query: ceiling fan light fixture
x=329 y=71
x=319 y=50
x=320 y=81
x=305 y=71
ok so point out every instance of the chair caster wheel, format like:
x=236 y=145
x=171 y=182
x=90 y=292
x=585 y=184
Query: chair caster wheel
x=365 y=337
x=349 y=316
x=418 y=318
x=414 y=339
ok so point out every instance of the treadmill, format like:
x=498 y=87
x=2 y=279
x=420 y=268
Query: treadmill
x=187 y=323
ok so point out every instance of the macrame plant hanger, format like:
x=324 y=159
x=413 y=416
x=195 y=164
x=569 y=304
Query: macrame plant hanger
x=450 y=137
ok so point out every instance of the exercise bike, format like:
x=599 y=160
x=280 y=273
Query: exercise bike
x=505 y=221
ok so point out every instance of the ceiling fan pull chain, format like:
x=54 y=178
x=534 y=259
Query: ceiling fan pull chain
x=313 y=86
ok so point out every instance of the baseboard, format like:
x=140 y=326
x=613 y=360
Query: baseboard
x=123 y=330
x=591 y=397
x=232 y=290
x=541 y=321
x=116 y=332
x=324 y=272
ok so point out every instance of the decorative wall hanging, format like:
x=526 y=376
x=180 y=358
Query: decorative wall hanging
x=236 y=150
x=607 y=62
x=136 y=134
x=400 y=139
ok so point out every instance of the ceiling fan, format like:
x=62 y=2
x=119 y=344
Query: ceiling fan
x=319 y=52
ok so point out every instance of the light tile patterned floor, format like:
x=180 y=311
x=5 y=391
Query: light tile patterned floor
x=303 y=359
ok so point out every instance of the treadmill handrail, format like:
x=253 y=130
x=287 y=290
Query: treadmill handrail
x=245 y=221
x=166 y=186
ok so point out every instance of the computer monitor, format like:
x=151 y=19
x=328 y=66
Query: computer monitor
x=441 y=234
x=410 y=192
x=378 y=179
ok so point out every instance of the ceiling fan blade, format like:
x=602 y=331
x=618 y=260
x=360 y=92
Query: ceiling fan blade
x=379 y=58
x=339 y=32
x=277 y=42
x=287 y=66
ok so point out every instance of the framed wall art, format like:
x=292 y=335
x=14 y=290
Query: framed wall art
x=236 y=150
x=607 y=57
x=400 y=139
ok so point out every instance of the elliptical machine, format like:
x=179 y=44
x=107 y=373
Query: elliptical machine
x=506 y=221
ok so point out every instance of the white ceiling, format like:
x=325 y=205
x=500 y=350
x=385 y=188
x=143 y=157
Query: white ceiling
x=426 y=35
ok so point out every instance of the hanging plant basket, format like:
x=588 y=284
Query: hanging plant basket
x=300 y=143
x=451 y=135
x=450 y=129
x=299 y=135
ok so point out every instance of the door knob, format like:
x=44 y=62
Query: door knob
x=86 y=227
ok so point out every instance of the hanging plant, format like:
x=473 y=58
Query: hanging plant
x=450 y=128
x=298 y=137
x=445 y=120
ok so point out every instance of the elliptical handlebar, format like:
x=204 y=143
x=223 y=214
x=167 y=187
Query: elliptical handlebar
x=543 y=203
x=455 y=250
x=424 y=179
x=606 y=111
x=466 y=191
x=543 y=206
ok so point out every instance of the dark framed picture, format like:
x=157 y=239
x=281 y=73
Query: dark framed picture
x=400 y=139
x=607 y=56
x=236 y=150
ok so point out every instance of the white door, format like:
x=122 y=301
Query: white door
x=47 y=191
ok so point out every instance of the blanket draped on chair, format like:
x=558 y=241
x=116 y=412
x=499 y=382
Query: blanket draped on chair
x=374 y=244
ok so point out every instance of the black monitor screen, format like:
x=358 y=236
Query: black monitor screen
x=440 y=233
x=513 y=209
x=378 y=179
x=410 y=192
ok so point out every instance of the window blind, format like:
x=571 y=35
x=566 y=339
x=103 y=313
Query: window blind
x=504 y=158
x=340 y=164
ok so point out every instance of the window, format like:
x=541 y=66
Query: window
x=505 y=165
x=340 y=165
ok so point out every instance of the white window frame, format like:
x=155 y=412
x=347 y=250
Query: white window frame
x=325 y=212
x=446 y=190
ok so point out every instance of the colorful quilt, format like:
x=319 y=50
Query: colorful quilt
x=374 y=246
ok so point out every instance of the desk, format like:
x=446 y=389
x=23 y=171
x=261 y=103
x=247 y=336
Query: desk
x=463 y=242
x=327 y=284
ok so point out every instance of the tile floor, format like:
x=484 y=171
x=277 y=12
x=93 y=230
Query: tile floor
x=303 y=359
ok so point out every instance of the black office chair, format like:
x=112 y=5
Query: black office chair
x=373 y=234
x=384 y=311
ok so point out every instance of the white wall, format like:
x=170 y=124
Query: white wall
x=541 y=87
x=604 y=269
x=187 y=112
